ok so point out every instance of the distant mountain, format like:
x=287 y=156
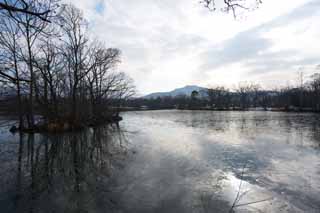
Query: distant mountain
x=187 y=90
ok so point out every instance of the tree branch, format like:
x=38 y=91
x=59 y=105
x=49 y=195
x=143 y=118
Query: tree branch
x=11 y=8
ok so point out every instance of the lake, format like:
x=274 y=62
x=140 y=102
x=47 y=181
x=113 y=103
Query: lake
x=167 y=161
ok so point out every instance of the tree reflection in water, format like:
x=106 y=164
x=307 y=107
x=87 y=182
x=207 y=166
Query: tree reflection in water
x=69 y=172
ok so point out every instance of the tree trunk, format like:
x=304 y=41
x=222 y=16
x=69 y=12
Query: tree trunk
x=30 y=107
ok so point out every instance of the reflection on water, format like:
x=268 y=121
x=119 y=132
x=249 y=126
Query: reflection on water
x=60 y=173
x=168 y=161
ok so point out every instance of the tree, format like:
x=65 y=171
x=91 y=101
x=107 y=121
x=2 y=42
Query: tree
x=28 y=7
x=255 y=89
x=68 y=79
x=219 y=97
x=315 y=87
x=75 y=51
x=45 y=14
x=10 y=49
x=32 y=29
x=245 y=91
x=231 y=5
x=194 y=94
x=49 y=65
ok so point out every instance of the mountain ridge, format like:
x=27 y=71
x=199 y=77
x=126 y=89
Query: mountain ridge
x=186 y=90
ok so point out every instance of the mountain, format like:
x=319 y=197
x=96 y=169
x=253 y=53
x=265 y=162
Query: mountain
x=187 y=90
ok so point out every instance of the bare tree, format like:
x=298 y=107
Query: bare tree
x=100 y=78
x=75 y=51
x=69 y=80
x=50 y=65
x=255 y=89
x=231 y=5
x=31 y=28
x=315 y=86
x=10 y=48
x=242 y=90
x=29 y=7
x=219 y=97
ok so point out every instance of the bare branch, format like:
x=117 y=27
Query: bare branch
x=26 y=9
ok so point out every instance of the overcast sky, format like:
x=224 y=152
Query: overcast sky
x=167 y=44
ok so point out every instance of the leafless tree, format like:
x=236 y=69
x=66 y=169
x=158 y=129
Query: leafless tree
x=10 y=70
x=31 y=28
x=75 y=51
x=315 y=88
x=243 y=90
x=50 y=65
x=255 y=89
x=231 y=5
x=30 y=7
x=219 y=97
x=71 y=81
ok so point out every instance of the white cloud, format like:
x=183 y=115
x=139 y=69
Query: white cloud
x=166 y=44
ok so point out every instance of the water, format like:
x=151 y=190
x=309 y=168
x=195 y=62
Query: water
x=168 y=161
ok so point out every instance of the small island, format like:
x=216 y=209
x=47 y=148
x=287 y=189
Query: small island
x=55 y=78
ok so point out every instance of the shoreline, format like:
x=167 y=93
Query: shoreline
x=64 y=127
x=219 y=110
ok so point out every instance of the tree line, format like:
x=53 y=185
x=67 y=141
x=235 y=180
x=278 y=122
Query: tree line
x=58 y=76
x=305 y=97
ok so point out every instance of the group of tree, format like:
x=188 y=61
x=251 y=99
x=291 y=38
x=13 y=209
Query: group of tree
x=58 y=77
x=305 y=97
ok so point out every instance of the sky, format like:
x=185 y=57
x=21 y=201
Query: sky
x=167 y=44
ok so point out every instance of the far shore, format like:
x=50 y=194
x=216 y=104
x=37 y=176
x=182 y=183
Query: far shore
x=236 y=109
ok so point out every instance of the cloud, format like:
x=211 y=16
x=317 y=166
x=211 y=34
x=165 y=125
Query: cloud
x=167 y=44
x=298 y=14
x=242 y=47
x=270 y=47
